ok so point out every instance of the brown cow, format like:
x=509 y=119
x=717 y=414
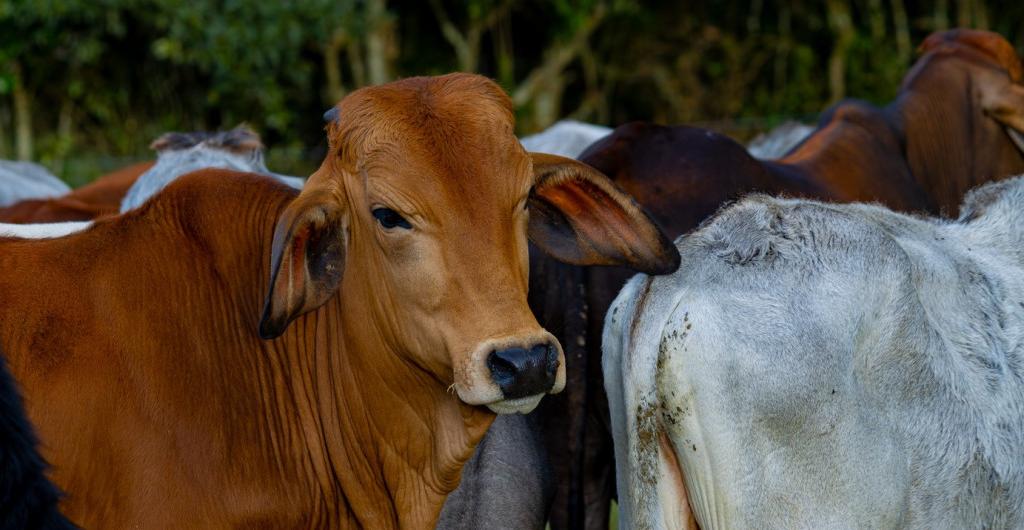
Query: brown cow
x=396 y=300
x=950 y=128
x=96 y=199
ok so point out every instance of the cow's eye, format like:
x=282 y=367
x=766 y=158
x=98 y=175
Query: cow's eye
x=389 y=218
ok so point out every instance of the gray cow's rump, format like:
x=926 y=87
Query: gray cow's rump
x=507 y=482
x=827 y=366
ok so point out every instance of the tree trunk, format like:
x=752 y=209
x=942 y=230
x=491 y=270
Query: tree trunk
x=22 y=116
x=4 y=120
x=548 y=103
x=941 y=15
x=980 y=16
x=332 y=66
x=902 y=26
x=876 y=18
x=780 y=67
x=467 y=43
x=357 y=63
x=842 y=27
x=964 y=13
x=64 y=128
x=466 y=50
x=379 y=42
x=557 y=58
x=754 y=18
x=503 y=56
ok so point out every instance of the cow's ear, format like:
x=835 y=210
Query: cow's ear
x=307 y=260
x=1004 y=102
x=578 y=216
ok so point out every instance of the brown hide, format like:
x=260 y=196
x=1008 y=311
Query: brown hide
x=941 y=136
x=97 y=199
x=138 y=341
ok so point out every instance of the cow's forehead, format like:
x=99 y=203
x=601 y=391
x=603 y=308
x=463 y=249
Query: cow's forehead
x=439 y=136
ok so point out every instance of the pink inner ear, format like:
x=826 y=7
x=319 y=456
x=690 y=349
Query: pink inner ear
x=296 y=264
x=591 y=211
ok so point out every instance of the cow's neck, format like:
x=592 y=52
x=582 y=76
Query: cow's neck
x=389 y=435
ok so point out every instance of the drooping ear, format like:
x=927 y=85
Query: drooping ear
x=307 y=260
x=1004 y=102
x=578 y=216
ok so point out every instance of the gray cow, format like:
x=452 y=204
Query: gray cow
x=826 y=366
x=20 y=181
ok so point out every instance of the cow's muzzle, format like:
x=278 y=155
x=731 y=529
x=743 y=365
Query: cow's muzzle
x=522 y=372
x=511 y=373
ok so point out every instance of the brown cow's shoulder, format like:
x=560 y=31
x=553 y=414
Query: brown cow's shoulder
x=142 y=312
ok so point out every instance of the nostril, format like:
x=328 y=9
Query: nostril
x=503 y=369
x=521 y=372
x=547 y=355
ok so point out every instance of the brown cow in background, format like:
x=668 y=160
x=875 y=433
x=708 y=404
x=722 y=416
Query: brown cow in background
x=956 y=123
x=104 y=196
x=98 y=198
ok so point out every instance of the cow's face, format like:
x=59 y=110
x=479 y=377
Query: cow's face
x=423 y=209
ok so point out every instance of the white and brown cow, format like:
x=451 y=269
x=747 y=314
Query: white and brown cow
x=816 y=365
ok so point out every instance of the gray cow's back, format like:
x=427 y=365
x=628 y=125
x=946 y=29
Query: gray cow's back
x=20 y=181
x=827 y=366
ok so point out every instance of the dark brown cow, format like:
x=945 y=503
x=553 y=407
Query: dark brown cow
x=952 y=126
x=393 y=287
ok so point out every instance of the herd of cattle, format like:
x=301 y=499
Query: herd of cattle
x=198 y=342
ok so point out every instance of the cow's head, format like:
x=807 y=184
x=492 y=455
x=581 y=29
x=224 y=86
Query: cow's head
x=427 y=199
x=995 y=69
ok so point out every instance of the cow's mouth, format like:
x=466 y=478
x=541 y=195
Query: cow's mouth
x=522 y=405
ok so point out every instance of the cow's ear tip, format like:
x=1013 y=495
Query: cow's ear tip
x=270 y=327
x=667 y=264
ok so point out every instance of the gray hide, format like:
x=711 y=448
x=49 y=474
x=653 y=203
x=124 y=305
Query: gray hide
x=182 y=153
x=779 y=141
x=26 y=180
x=827 y=366
x=565 y=138
x=506 y=484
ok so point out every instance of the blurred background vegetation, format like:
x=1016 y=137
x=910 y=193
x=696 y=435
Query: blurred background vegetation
x=85 y=85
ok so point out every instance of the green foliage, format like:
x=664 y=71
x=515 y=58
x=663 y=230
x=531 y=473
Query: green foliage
x=105 y=77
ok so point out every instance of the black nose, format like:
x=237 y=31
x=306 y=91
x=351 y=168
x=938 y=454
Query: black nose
x=521 y=372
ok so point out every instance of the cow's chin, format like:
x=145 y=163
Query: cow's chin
x=513 y=406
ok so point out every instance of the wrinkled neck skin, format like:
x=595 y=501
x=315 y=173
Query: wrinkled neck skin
x=384 y=437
